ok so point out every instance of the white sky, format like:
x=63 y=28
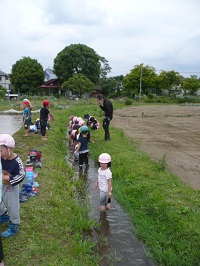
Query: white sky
x=164 y=34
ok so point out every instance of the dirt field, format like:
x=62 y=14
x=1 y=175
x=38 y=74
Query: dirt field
x=172 y=131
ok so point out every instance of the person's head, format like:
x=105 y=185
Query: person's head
x=26 y=103
x=7 y=143
x=104 y=161
x=46 y=103
x=84 y=130
x=101 y=98
x=92 y=119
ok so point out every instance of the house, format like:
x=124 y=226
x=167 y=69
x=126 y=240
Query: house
x=5 y=81
x=52 y=86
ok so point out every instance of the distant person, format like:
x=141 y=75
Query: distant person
x=26 y=116
x=104 y=181
x=44 y=117
x=107 y=107
x=13 y=175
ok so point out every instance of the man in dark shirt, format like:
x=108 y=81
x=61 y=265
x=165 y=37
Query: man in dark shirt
x=107 y=107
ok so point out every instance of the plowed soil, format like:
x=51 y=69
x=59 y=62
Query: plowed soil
x=168 y=132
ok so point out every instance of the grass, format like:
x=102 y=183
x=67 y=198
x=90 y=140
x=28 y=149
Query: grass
x=164 y=210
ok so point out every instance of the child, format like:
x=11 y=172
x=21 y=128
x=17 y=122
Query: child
x=1 y=246
x=104 y=181
x=94 y=124
x=13 y=175
x=26 y=116
x=44 y=116
x=82 y=148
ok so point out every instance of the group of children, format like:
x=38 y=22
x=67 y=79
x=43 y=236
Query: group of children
x=79 y=138
x=41 y=123
x=12 y=171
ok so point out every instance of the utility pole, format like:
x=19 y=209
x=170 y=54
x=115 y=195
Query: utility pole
x=140 y=93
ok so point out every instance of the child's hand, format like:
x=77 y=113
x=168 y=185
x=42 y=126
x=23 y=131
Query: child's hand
x=6 y=178
x=109 y=194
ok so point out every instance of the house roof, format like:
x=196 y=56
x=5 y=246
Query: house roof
x=3 y=73
x=49 y=74
x=52 y=83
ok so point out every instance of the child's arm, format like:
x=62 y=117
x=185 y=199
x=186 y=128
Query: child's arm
x=78 y=147
x=109 y=187
x=96 y=184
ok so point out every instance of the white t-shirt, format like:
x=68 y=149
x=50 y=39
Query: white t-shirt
x=103 y=177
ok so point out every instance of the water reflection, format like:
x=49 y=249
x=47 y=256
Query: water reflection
x=10 y=124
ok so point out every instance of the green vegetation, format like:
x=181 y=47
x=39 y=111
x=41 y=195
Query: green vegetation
x=26 y=75
x=52 y=231
x=78 y=84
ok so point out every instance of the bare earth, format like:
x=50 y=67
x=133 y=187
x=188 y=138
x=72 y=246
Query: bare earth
x=172 y=131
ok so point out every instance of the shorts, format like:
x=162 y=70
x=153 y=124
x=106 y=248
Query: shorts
x=103 y=198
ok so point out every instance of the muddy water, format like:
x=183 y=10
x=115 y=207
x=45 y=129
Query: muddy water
x=117 y=243
x=10 y=124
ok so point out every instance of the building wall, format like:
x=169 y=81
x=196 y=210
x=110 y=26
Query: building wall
x=5 y=82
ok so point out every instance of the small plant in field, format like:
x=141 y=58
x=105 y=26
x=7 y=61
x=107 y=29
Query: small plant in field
x=162 y=163
x=128 y=102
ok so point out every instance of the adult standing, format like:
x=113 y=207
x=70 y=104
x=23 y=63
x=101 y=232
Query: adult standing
x=44 y=115
x=107 y=107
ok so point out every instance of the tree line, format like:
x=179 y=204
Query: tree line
x=78 y=68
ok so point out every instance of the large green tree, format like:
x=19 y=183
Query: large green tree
x=80 y=59
x=191 y=84
x=26 y=75
x=78 y=84
x=140 y=79
x=170 y=80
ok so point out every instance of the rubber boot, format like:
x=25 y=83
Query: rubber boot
x=4 y=218
x=12 y=230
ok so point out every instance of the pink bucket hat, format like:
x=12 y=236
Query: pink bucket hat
x=7 y=140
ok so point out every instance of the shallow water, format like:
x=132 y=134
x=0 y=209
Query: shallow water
x=10 y=124
x=117 y=243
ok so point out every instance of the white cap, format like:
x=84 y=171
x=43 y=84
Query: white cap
x=7 y=140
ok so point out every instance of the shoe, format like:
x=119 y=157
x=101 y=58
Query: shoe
x=4 y=218
x=12 y=230
x=107 y=139
x=80 y=168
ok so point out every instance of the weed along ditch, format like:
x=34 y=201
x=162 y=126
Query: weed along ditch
x=116 y=242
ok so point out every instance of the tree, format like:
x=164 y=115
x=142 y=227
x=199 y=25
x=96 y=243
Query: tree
x=78 y=84
x=170 y=79
x=105 y=68
x=26 y=75
x=78 y=59
x=111 y=86
x=140 y=77
x=2 y=92
x=191 y=84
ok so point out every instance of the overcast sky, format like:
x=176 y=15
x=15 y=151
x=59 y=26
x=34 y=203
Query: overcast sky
x=164 y=34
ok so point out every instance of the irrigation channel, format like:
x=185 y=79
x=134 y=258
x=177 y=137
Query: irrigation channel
x=117 y=243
